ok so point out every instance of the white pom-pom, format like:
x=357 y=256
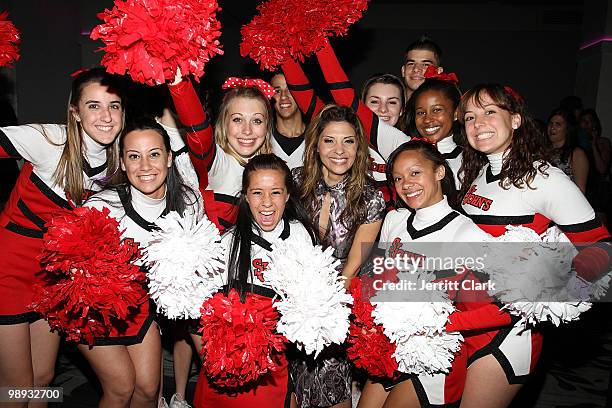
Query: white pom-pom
x=314 y=305
x=186 y=258
x=418 y=329
x=540 y=270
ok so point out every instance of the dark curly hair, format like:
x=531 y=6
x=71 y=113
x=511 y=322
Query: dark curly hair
x=527 y=147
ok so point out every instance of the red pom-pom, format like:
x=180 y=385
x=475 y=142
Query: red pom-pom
x=296 y=29
x=150 y=39
x=92 y=282
x=369 y=349
x=9 y=41
x=239 y=340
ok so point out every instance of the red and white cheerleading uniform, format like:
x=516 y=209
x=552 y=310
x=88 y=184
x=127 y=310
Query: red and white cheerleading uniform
x=436 y=224
x=551 y=199
x=31 y=204
x=219 y=173
x=271 y=389
x=383 y=138
x=453 y=153
x=136 y=215
x=290 y=149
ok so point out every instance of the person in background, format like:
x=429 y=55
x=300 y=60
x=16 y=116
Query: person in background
x=566 y=155
x=418 y=56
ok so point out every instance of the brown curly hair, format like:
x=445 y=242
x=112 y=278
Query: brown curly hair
x=527 y=147
x=359 y=174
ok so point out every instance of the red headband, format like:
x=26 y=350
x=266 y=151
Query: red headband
x=78 y=72
x=432 y=72
x=515 y=95
x=234 y=82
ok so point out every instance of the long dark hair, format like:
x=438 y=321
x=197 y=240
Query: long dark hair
x=450 y=92
x=432 y=154
x=527 y=147
x=239 y=262
x=179 y=196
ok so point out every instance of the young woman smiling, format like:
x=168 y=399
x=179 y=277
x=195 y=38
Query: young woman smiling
x=347 y=211
x=507 y=180
x=127 y=362
x=424 y=184
x=63 y=163
x=267 y=212
x=243 y=130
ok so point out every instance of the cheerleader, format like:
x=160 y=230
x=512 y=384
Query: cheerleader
x=267 y=211
x=430 y=113
x=127 y=361
x=62 y=164
x=384 y=95
x=508 y=180
x=347 y=210
x=288 y=136
x=424 y=182
x=243 y=130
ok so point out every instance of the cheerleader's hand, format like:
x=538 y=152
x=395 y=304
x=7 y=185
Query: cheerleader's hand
x=178 y=78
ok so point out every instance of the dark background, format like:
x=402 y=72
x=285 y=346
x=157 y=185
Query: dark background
x=532 y=46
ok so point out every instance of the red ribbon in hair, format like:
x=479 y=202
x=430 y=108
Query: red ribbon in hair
x=432 y=72
x=78 y=72
x=424 y=140
x=234 y=82
x=515 y=95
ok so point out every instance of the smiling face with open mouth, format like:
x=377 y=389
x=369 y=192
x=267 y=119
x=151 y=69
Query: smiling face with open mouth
x=434 y=115
x=145 y=161
x=417 y=180
x=488 y=127
x=385 y=100
x=267 y=196
x=99 y=112
x=284 y=104
x=247 y=126
x=337 y=150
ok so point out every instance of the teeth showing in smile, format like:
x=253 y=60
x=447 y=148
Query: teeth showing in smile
x=414 y=194
x=385 y=118
x=247 y=142
x=338 y=161
x=266 y=213
x=433 y=129
x=104 y=128
x=285 y=105
x=484 y=136
x=148 y=177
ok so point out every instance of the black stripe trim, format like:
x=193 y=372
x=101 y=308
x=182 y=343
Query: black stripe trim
x=182 y=150
x=355 y=103
x=199 y=126
x=202 y=156
x=502 y=219
x=225 y=223
x=507 y=367
x=26 y=232
x=415 y=234
x=225 y=198
x=131 y=212
x=265 y=244
x=126 y=340
x=333 y=86
x=299 y=88
x=256 y=290
x=311 y=107
x=374 y=133
x=581 y=227
x=27 y=317
x=49 y=193
x=93 y=171
x=39 y=222
x=8 y=146
x=422 y=396
x=490 y=177
x=454 y=154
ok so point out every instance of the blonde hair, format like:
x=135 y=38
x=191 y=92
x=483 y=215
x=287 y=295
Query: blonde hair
x=359 y=175
x=224 y=116
x=69 y=172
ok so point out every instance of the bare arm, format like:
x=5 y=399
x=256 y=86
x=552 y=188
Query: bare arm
x=362 y=244
x=580 y=168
